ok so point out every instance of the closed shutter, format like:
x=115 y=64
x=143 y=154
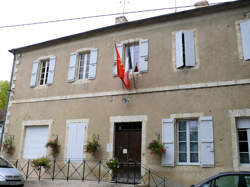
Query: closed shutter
x=92 y=64
x=35 y=141
x=120 y=50
x=168 y=142
x=34 y=73
x=143 y=58
x=179 y=50
x=52 y=64
x=189 y=48
x=72 y=67
x=207 y=141
x=245 y=38
x=76 y=133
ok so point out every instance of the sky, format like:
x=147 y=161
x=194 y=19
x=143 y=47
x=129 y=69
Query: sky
x=27 y=11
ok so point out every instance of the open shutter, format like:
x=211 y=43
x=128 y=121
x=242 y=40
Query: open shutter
x=143 y=58
x=92 y=64
x=179 y=50
x=52 y=64
x=120 y=50
x=72 y=67
x=34 y=73
x=168 y=142
x=189 y=48
x=207 y=141
x=245 y=38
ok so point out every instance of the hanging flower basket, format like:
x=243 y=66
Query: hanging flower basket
x=156 y=147
x=41 y=162
x=112 y=163
x=93 y=146
x=55 y=147
x=8 y=145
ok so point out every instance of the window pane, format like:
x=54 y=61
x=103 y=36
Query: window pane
x=182 y=125
x=193 y=136
x=242 y=134
x=182 y=136
x=228 y=181
x=182 y=147
x=247 y=179
x=193 y=147
x=244 y=158
x=243 y=146
x=194 y=157
x=193 y=126
x=182 y=157
x=87 y=66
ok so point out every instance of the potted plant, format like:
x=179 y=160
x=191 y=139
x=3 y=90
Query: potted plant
x=41 y=162
x=55 y=147
x=156 y=147
x=93 y=146
x=8 y=145
x=112 y=163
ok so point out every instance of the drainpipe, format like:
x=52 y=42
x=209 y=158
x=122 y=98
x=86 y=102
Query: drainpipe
x=8 y=98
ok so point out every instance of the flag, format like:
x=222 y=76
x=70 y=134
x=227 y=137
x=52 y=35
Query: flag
x=119 y=65
x=128 y=66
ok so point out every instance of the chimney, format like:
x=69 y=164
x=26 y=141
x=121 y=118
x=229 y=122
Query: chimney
x=200 y=4
x=121 y=19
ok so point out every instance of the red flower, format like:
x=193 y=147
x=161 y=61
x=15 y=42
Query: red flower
x=152 y=152
x=55 y=140
x=164 y=150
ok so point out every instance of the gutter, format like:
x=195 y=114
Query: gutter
x=7 y=103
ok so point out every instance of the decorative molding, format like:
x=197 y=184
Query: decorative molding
x=187 y=115
x=139 y=91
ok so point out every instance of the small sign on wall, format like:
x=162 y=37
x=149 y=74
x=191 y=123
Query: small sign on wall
x=110 y=148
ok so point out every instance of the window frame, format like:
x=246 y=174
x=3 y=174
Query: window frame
x=187 y=142
x=86 y=59
x=46 y=72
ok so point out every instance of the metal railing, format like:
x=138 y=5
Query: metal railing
x=129 y=173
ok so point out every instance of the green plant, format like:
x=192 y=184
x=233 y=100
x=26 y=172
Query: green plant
x=112 y=163
x=55 y=147
x=8 y=145
x=41 y=162
x=156 y=147
x=93 y=146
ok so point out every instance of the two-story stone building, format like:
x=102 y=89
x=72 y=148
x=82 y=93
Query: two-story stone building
x=191 y=90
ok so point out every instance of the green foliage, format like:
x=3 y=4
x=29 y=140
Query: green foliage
x=8 y=145
x=93 y=146
x=55 y=147
x=112 y=163
x=156 y=147
x=41 y=162
x=4 y=87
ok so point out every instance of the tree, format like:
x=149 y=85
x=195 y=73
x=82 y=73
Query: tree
x=4 y=87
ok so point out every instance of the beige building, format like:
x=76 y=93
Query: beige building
x=191 y=90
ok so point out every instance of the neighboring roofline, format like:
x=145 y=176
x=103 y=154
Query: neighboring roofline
x=138 y=23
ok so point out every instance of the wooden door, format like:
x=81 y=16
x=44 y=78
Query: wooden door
x=128 y=151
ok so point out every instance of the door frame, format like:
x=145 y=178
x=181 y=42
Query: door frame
x=118 y=119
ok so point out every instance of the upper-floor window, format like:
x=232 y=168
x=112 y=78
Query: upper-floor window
x=185 y=49
x=46 y=67
x=82 y=65
x=138 y=51
x=245 y=39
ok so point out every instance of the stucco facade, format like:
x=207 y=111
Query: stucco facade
x=218 y=86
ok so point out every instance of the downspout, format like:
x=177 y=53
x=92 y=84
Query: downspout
x=8 y=98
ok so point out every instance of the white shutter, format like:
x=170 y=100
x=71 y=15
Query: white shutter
x=34 y=73
x=120 y=50
x=72 y=67
x=207 y=141
x=178 y=50
x=143 y=58
x=189 y=48
x=92 y=64
x=52 y=64
x=35 y=141
x=245 y=38
x=76 y=133
x=168 y=142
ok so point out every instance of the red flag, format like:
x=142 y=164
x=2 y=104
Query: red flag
x=120 y=67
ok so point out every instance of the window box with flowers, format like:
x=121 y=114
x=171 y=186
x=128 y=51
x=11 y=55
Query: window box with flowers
x=8 y=145
x=41 y=162
x=54 y=146
x=93 y=146
x=156 y=147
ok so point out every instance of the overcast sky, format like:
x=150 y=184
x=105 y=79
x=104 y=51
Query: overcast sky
x=26 y=11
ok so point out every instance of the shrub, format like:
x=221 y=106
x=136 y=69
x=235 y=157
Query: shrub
x=41 y=162
x=112 y=163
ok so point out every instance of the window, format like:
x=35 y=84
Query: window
x=185 y=49
x=44 y=72
x=132 y=51
x=83 y=66
x=245 y=39
x=187 y=141
x=243 y=128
